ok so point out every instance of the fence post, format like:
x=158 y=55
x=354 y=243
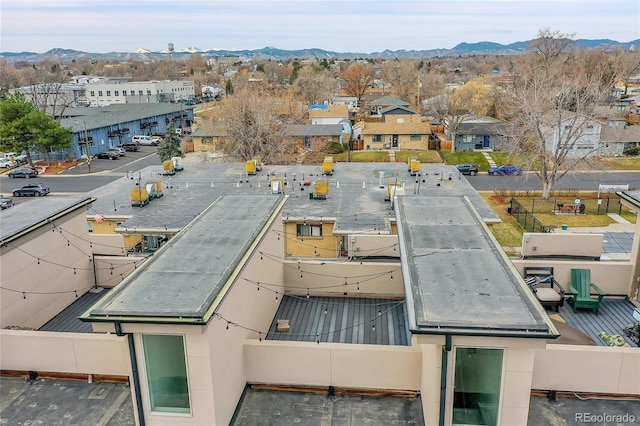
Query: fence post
x=533 y=203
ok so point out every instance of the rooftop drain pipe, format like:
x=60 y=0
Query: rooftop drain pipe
x=443 y=376
x=134 y=371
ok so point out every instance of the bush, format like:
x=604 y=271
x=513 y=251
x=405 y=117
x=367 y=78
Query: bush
x=632 y=151
x=335 y=148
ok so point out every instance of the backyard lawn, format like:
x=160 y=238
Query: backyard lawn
x=509 y=232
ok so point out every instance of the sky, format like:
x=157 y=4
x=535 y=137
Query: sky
x=361 y=26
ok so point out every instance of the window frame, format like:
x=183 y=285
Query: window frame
x=146 y=355
x=313 y=230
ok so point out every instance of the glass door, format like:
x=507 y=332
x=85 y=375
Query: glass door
x=477 y=384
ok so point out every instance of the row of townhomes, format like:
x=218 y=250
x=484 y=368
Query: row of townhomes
x=228 y=286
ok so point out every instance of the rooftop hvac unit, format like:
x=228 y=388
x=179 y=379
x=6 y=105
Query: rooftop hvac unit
x=277 y=185
x=151 y=242
x=321 y=190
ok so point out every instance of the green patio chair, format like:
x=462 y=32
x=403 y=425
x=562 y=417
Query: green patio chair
x=581 y=288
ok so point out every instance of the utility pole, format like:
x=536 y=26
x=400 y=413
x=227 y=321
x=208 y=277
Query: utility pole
x=87 y=146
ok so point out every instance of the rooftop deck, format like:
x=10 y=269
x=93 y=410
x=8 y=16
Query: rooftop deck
x=613 y=316
x=342 y=320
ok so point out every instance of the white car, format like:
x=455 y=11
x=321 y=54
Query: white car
x=145 y=140
x=6 y=163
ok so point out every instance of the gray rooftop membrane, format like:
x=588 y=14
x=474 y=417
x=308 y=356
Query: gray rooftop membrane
x=355 y=199
x=456 y=279
x=182 y=280
x=25 y=215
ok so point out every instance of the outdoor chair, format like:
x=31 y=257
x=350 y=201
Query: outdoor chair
x=581 y=286
x=547 y=290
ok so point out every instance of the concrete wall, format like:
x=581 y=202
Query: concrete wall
x=613 y=277
x=43 y=272
x=552 y=244
x=329 y=364
x=78 y=353
x=322 y=278
x=362 y=246
x=587 y=369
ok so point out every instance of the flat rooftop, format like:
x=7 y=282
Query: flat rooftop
x=457 y=280
x=181 y=281
x=355 y=200
x=40 y=211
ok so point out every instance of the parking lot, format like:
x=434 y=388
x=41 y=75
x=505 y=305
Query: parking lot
x=120 y=165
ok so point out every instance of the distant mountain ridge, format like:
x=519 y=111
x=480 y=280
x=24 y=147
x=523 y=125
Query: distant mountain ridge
x=479 y=48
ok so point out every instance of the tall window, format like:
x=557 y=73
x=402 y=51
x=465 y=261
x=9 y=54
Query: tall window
x=166 y=368
x=304 y=230
x=477 y=383
x=307 y=142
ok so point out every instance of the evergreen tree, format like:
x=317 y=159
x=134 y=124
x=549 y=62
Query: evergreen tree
x=170 y=146
x=24 y=128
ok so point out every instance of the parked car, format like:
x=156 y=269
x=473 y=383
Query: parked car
x=505 y=169
x=121 y=151
x=467 y=169
x=6 y=163
x=5 y=203
x=108 y=155
x=146 y=140
x=32 y=189
x=23 y=172
x=131 y=146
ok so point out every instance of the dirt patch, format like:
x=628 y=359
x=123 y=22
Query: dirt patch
x=56 y=167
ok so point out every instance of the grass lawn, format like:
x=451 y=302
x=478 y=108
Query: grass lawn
x=621 y=163
x=476 y=158
x=509 y=232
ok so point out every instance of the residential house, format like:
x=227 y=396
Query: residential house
x=376 y=106
x=400 y=128
x=478 y=132
x=350 y=101
x=615 y=141
x=580 y=134
x=266 y=284
x=318 y=137
x=208 y=137
x=328 y=114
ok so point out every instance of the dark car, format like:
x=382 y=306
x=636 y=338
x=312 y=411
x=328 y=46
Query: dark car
x=505 y=169
x=130 y=146
x=32 y=189
x=5 y=203
x=23 y=172
x=467 y=169
x=108 y=155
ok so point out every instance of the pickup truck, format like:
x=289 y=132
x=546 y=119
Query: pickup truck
x=17 y=158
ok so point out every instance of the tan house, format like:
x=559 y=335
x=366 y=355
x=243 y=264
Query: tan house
x=329 y=114
x=400 y=128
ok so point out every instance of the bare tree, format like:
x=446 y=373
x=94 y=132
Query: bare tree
x=451 y=109
x=255 y=124
x=403 y=77
x=356 y=79
x=551 y=107
x=315 y=86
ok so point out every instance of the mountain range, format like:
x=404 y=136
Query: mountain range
x=462 y=49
